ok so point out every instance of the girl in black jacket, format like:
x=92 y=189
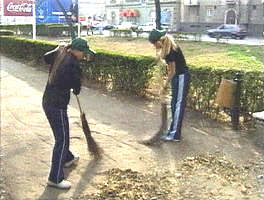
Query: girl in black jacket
x=178 y=76
x=64 y=76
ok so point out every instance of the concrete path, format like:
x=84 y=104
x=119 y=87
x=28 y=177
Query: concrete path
x=117 y=123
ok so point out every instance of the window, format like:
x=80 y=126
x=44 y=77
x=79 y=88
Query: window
x=210 y=12
x=254 y=7
x=263 y=9
x=194 y=10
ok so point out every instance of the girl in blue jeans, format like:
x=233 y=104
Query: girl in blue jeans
x=178 y=76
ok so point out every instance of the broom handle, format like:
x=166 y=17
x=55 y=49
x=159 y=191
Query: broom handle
x=79 y=104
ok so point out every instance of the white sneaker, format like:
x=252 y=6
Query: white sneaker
x=64 y=185
x=72 y=162
x=169 y=138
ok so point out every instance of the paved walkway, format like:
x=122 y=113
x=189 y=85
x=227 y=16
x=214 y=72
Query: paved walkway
x=117 y=123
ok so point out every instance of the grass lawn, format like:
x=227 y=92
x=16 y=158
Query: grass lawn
x=196 y=53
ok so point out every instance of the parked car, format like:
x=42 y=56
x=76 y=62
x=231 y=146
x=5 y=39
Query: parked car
x=152 y=25
x=102 y=26
x=228 y=30
x=127 y=25
x=165 y=26
x=147 y=26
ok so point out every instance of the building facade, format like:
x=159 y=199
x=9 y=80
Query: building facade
x=90 y=8
x=191 y=15
x=145 y=9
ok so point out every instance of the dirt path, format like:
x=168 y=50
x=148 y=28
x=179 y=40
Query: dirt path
x=117 y=123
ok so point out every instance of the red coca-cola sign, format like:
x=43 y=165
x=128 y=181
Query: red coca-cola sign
x=18 y=8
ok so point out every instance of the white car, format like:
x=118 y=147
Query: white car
x=152 y=25
x=127 y=25
x=147 y=27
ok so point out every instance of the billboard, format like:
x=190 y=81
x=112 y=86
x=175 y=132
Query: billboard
x=165 y=17
x=17 y=8
x=49 y=11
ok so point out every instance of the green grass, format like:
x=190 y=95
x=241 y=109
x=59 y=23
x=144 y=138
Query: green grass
x=248 y=55
x=216 y=55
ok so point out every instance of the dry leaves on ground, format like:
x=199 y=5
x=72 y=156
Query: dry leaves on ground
x=199 y=177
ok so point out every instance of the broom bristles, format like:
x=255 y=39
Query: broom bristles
x=164 y=120
x=93 y=147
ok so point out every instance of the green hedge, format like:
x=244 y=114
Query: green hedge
x=133 y=74
x=205 y=83
x=121 y=32
x=6 y=32
x=51 y=30
x=24 y=48
x=21 y=29
x=125 y=72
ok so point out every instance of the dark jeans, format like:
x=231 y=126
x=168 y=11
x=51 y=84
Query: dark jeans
x=58 y=120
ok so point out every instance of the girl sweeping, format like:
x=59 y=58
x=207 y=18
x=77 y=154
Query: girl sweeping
x=177 y=75
x=64 y=76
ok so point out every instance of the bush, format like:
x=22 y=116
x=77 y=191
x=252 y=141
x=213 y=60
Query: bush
x=121 y=32
x=125 y=72
x=129 y=73
x=6 y=32
x=24 y=48
x=42 y=29
x=205 y=83
x=8 y=27
x=57 y=30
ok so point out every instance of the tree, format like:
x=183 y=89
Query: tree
x=158 y=16
x=69 y=18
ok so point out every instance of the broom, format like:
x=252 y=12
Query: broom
x=93 y=148
x=164 y=123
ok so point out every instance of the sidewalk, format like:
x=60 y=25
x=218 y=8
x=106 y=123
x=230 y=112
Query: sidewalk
x=117 y=123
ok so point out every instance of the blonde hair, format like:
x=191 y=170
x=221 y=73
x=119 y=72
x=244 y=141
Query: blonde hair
x=168 y=43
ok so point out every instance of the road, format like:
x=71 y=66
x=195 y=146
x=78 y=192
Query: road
x=246 y=41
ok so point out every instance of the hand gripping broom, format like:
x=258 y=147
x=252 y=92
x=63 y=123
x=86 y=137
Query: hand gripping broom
x=93 y=148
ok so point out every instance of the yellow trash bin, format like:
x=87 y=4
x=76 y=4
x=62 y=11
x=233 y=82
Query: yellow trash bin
x=225 y=95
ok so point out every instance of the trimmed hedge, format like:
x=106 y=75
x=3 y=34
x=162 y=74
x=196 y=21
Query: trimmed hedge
x=205 y=83
x=20 y=29
x=24 y=48
x=6 y=32
x=121 y=32
x=129 y=73
x=133 y=73
x=51 y=30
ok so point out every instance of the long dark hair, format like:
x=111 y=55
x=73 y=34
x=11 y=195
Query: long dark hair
x=61 y=53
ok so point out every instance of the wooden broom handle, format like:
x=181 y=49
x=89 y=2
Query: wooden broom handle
x=79 y=104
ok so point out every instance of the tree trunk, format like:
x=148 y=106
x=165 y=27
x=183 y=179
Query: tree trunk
x=157 y=5
x=68 y=20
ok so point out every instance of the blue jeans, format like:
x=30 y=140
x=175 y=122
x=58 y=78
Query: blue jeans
x=180 y=87
x=58 y=120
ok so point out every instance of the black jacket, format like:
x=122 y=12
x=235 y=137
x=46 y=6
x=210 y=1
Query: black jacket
x=67 y=77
